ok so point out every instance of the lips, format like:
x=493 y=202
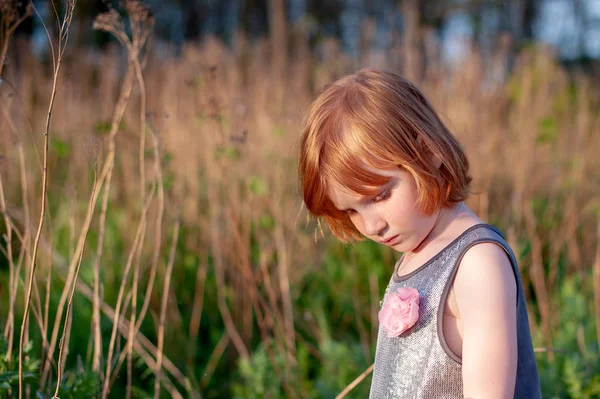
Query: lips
x=389 y=240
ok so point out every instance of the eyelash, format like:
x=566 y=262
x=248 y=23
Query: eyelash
x=382 y=196
x=378 y=198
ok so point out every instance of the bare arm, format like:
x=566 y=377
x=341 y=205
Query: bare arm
x=485 y=290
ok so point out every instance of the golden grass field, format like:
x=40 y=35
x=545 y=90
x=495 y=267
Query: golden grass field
x=196 y=184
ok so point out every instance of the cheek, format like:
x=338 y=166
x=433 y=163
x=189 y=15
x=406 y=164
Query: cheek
x=403 y=211
x=357 y=221
x=400 y=214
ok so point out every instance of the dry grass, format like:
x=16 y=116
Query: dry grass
x=228 y=120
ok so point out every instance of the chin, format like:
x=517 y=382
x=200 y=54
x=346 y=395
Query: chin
x=401 y=247
x=407 y=246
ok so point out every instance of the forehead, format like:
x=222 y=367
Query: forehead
x=342 y=193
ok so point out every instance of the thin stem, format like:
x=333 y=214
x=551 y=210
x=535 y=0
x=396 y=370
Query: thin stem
x=157 y=231
x=213 y=360
x=7 y=32
x=141 y=344
x=163 y=310
x=596 y=278
x=197 y=306
x=70 y=303
x=9 y=329
x=111 y=345
x=142 y=151
x=68 y=15
x=119 y=111
x=356 y=381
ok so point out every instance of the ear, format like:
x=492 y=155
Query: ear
x=437 y=161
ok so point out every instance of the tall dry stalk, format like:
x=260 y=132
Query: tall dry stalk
x=133 y=332
x=125 y=93
x=66 y=329
x=9 y=328
x=110 y=22
x=45 y=342
x=24 y=255
x=157 y=229
x=57 y=58
x=537 y=276
x=283 y=274
x=142 y=345
x=196 y=314
x=10 y=18
x=221 y=286
x=105 y=176
x=278 y=33
x=214 y=359
x=596 y=278
x=120 y=296
x=356 y=381
x=270 y=320
x=163 y=310
x=24 y=237
x=142 y=23
x=14 y=270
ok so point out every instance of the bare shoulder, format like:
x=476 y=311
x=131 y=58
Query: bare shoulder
x=486 y=295
x=485 y=278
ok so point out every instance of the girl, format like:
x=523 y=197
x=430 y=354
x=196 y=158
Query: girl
x=377 y=161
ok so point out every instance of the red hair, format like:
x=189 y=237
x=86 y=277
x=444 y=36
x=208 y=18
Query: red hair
x=380 y=120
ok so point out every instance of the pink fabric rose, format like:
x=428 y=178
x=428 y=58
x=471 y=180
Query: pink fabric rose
x=400 y=311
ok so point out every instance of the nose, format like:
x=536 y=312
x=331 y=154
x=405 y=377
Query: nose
x=374 y=224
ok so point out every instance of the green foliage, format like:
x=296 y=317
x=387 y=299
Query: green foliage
x=59 y=147
x=266 y=222
x=229 y=152
x=575 y=370
x=547 y=131
x=103 y=127
x=85 y=384
x=224 y=121
x=200 y=120
x=330 y=296
x=258 y=376
x=257 y=186
x=341 y=362
x=9 y=368
x=278 y=131
x=76 y=385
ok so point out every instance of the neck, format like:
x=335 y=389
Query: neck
x=443 y=220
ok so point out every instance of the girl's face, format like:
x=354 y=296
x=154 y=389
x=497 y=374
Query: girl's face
x=391 y=217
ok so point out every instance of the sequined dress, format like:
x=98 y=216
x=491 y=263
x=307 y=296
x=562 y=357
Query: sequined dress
x=419 y=364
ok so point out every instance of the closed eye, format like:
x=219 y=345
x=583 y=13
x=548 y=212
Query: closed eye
x=382 y=196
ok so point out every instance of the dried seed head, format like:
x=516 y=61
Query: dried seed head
x=109 y=21
x=8 y=6
x=92 y=149
x=12 y=10
x=139 y=12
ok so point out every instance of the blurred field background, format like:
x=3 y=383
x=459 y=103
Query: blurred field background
x=172 y=200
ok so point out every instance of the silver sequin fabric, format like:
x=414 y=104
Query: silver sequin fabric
x=418 y=364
